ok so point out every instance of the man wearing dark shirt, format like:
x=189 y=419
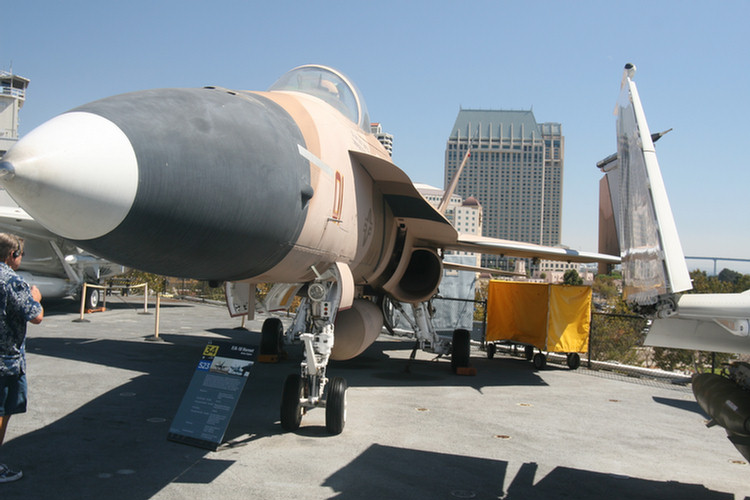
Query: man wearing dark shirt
x=19 y=304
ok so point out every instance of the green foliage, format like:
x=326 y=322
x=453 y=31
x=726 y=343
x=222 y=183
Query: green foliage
x=673 y=359
x=605 y=286
x=617 y=335
x=571 y=277
x=727 y=281
x=729 y=276
x=156 y=283
x=684 y=360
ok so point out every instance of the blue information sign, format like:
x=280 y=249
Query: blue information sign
x=211 y=397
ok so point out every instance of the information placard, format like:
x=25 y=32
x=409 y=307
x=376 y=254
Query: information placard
x=211 y=397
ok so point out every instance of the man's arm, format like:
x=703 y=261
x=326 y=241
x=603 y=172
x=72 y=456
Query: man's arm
x=37 y=296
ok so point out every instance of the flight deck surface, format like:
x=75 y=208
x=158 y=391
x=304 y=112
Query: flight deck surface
x=102 y=398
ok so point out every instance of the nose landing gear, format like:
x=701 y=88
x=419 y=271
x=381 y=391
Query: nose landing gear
x=305 y=390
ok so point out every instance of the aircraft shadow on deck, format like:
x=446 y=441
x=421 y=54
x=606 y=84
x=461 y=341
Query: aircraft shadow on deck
x=682 y=404
x=389 y=472
x=93 y=451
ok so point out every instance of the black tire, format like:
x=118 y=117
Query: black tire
x=92 y=298
x=491 y=349
x=460 y=349
x=574 y=360
x=291 y=409
x=540 y=361
x=336 y=406
x=529 y=351
x=272 y=336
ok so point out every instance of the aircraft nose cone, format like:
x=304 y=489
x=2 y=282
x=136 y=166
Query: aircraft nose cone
x=76 y=175
x=199 y=183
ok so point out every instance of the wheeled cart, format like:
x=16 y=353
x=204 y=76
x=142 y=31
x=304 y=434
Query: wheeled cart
x=550 y=318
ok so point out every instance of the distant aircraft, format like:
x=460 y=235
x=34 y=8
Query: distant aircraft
x=285 y=186
x=636 y=221
x=54 y=265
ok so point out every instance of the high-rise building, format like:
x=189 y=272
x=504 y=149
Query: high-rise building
x=515 y=171
x=385 y=139
x=12 y=97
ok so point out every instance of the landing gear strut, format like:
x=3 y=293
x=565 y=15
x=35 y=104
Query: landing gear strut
x=428 y=340
x=304 y=391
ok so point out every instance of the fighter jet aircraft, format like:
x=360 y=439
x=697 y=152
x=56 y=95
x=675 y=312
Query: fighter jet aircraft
x=286 y=186
x=636 y=221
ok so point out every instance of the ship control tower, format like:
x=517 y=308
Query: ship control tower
x=12 y=97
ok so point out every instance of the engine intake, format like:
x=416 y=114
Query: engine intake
x=417 y=276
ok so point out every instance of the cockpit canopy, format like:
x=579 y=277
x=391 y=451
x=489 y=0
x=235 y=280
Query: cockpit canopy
x=331 y=86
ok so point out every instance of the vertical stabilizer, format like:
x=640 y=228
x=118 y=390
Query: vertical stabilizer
x=653 y=264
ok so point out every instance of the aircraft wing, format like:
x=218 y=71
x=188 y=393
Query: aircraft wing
x=695 y=334
x=478 y=269
x=15 y=220
x=483 y=244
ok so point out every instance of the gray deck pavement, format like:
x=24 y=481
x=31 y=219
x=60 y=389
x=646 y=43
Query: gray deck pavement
x=102 y=399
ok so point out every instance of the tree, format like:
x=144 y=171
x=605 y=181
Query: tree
x=156 y=283
x=571 y=277
x=727 y=281
x=616 y=335
x=729 y=276
x=605 y=286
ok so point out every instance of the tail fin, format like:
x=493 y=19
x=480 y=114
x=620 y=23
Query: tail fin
x=653 y=264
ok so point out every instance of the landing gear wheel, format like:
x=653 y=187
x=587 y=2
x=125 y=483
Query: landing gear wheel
x=461 y=349
x=574 y=360
x=291 y=409
x=491 y=349
x=272 y=337
x=336 y=406
x=92 y=298
x=540 y=361
x=529 y=351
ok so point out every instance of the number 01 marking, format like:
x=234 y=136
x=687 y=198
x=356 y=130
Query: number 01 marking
x=338 y=196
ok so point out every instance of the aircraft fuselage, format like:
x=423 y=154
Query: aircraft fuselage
x=228 y=185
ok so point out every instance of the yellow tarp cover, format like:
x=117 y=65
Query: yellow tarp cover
x=554 y=318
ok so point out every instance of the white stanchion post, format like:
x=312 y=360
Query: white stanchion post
x=83 y=299
x=155 y=337
x=158 y=305
x=83 y=305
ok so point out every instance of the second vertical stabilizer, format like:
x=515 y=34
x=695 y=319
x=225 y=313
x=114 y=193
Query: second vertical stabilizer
x=653 y=264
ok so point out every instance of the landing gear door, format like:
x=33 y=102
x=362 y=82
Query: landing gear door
x=240 y=299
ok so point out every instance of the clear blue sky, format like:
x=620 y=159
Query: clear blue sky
x=418 y=62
